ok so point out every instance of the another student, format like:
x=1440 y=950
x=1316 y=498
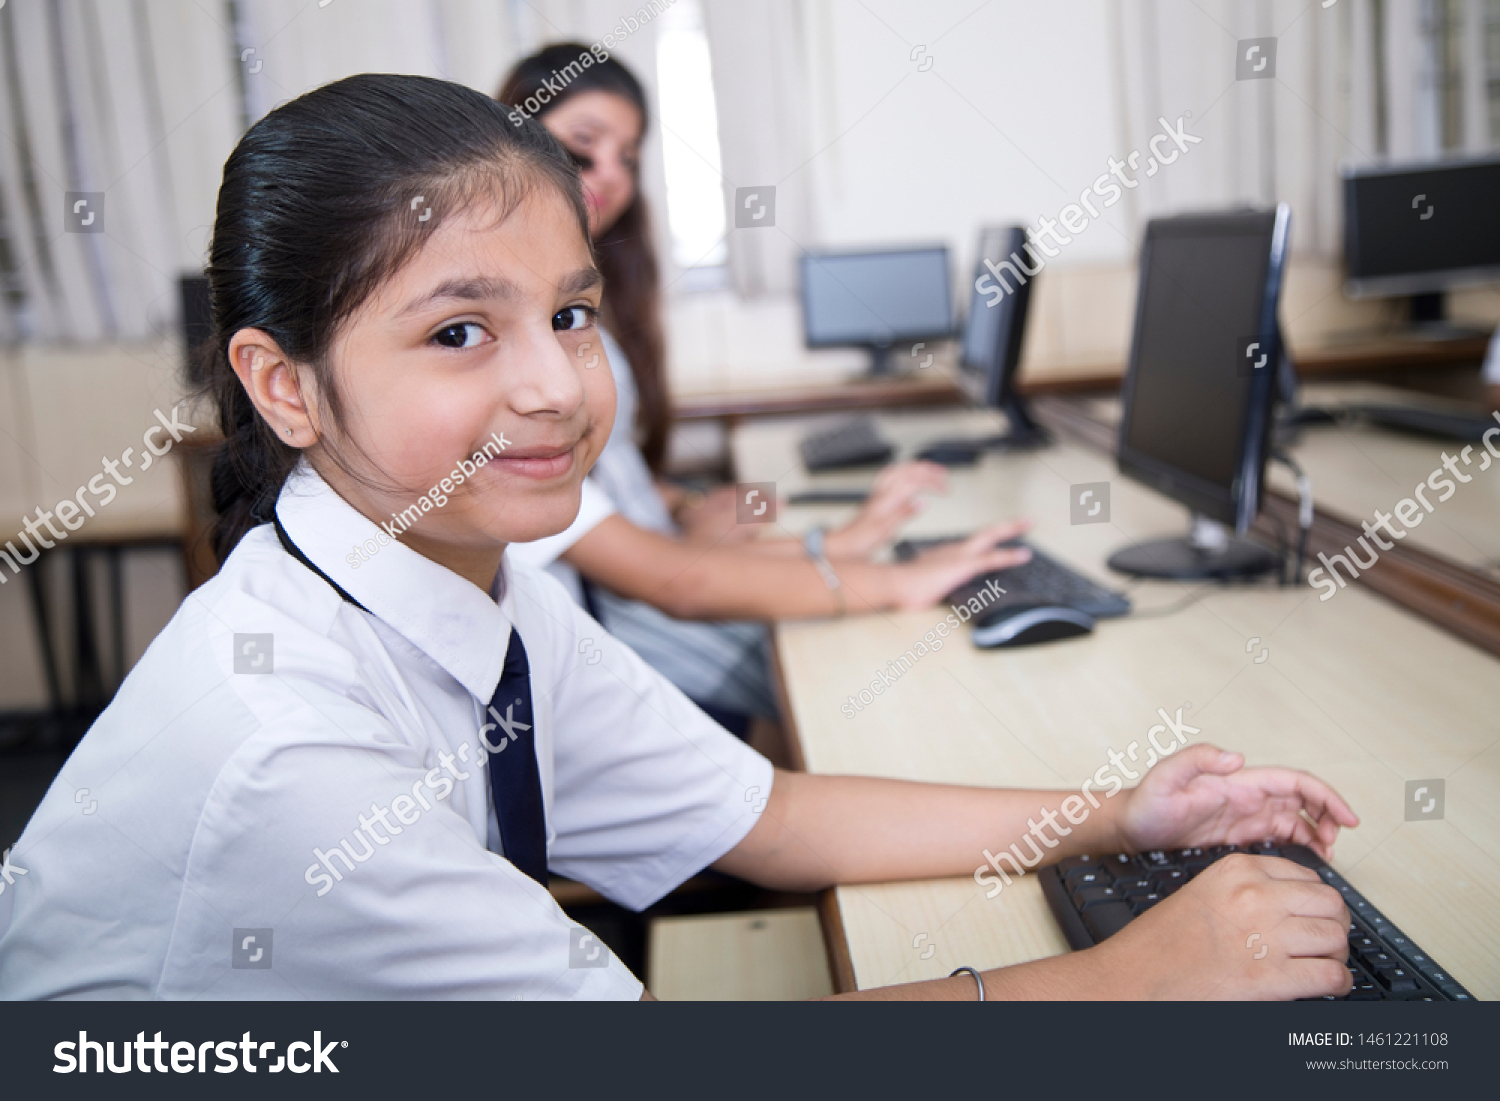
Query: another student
x=657 y=558
x=348 y=764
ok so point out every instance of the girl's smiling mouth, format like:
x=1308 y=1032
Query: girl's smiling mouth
x=538 y=463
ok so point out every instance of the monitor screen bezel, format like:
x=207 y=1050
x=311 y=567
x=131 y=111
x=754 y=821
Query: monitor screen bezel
x=810 y=255
x=1239 y=502
x=1428 y=282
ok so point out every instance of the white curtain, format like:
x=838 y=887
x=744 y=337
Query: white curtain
x=142 y=101
x=763 y=69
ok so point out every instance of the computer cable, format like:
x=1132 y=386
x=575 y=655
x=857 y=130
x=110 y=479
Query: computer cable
x=1304 y=507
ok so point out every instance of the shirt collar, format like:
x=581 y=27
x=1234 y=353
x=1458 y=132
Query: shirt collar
x=440 y=613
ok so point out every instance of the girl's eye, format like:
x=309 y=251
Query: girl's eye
x=465 y=334
x=574 y=317
x=584 y=162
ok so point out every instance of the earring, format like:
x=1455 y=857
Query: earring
x=288 y=431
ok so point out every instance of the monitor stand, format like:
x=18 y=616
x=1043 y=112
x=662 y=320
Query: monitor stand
x=1209 y=552
x=883 y=361
x=1428 y=320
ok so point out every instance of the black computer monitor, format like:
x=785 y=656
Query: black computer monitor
x=885 y=300
x=990 y=351
x=1418 y=230
x=196 y=315
x=1200 y=385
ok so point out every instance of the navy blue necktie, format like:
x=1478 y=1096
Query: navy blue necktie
x=515 y=779
x=508 y=736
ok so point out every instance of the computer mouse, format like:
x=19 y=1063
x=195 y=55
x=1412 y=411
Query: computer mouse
x=1024 y=624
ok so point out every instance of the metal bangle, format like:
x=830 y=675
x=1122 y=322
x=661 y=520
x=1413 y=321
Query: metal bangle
x=814 y=544
x=970 y=970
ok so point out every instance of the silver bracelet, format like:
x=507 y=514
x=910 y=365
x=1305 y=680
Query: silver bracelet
x=814 y=543
x=970 y=970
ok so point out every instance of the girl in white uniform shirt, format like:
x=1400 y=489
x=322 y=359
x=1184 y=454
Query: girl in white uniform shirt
x=673 y=576
x=347 y=764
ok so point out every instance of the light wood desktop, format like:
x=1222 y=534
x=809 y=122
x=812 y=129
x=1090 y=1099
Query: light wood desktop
x=1358 y=468
x=1355 y=689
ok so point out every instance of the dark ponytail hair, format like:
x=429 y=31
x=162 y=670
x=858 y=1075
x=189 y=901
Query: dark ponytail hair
x=625 y=252
x=319 y=206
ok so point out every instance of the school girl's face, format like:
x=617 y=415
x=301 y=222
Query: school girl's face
x=603 y=130
x=487 y=335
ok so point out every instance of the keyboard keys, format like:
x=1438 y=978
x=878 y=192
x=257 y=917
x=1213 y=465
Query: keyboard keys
x=1086 y=897
x=1107 y=919
x=1164 y=878
x=1089 y=877
x=1396 y=979
x=1109 y=890
x=1074 y=863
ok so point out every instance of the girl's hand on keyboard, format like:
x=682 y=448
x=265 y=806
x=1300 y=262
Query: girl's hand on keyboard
x=933 y=574
x=1246 y=927
x=895 y=497
x=1203 y=795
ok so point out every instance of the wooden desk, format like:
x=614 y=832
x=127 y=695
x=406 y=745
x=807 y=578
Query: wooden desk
x=1445 y=569
x=895 y=392
x=1355 y=689
x=1350 y=358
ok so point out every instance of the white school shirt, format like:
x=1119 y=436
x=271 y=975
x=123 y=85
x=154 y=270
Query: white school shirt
x=203 y=807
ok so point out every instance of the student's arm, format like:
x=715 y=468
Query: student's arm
x=694 y=582
x=894 y=498
x=817 y=831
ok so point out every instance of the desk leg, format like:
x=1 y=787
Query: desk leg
x=89 y=677
x=836 y=942
x=36 y=584
x=117 y=614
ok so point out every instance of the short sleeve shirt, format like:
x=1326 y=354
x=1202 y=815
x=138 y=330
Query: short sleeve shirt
x=287 y=766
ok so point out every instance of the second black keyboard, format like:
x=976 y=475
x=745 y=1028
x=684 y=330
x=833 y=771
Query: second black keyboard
x=1094 y=897
x=1043 y=579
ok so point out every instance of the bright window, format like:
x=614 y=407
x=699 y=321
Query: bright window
x=690 y=137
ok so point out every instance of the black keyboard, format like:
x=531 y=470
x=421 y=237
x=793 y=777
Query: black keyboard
x=1042 y=580
x=1094 y=897
x=856 y=442
x=1427 y=422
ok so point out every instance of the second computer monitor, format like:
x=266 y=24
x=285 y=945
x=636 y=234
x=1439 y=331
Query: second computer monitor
x=1201 y=381
x=1420 y=229
x=878 y=299
x=996 y=325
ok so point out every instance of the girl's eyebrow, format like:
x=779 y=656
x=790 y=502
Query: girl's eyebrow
x=472 y=289
x=584 y=279
x=483 y=288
